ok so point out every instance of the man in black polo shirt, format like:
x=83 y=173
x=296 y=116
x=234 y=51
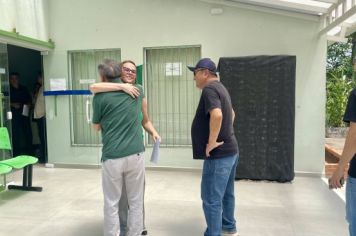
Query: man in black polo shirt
x=214 y=141
x=348 y=156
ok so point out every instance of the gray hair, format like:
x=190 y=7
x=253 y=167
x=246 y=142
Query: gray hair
x=109 y=69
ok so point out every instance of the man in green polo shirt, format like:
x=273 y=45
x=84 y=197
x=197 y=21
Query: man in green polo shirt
x=117 y=115
x=128 y=77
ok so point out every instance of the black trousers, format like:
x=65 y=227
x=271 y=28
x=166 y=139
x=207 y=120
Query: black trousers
x=41 y=124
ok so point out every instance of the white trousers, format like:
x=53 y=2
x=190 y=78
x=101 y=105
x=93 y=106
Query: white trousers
x=116 y=172
x=124 y=210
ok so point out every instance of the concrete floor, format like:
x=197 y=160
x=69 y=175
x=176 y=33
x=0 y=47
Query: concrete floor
x=71 y=205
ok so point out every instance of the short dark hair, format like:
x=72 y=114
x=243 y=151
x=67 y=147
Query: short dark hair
x=127 y=61
x=109 y=69
x=14 y=74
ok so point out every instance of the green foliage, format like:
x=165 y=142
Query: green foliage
x=340 y=58
x=337 y=91
x=339 y=82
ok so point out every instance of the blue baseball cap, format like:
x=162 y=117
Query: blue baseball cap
x=204 y=63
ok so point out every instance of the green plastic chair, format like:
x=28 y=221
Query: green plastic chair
x=24 y=162
x=20 y=162
x=5 y=169
x=4 y=139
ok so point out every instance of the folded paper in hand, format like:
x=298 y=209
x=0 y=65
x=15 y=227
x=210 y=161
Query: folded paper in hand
x=155 y=152
x=25 y=110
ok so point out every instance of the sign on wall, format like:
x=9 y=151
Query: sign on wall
x=57 y=84
x=174 y=69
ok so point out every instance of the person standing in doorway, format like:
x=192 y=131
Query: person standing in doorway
x=39 y=115
x=128 y=76
x=348 y=156
x=117 y=115
x=214 y=141
x=20 y=101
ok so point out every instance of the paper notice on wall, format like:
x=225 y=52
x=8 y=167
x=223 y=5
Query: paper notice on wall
x=58 y=84
x=2 y=71
x=174 y=69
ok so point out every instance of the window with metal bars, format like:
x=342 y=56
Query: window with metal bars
x=171 y=93
x=83 y=72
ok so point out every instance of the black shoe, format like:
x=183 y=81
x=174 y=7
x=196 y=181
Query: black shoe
x=144 y=232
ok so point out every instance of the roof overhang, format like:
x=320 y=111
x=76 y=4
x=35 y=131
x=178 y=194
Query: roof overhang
x=337 y=17
x=339 y=21
x=15 y=38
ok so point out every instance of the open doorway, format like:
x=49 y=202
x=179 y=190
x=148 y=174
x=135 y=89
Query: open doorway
x=27 y=102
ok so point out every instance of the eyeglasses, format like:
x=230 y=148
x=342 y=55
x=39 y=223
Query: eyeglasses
x=128 y=70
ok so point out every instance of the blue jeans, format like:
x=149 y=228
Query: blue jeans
x=351 y=204
x=217 y=193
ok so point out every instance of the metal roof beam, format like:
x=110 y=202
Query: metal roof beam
x=336 y=39
x=326 y=1
x=335 y=17
x=341 y=36
x=286 y=5
x=271 y=10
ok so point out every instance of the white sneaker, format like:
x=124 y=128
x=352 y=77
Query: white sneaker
x=225 y=233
